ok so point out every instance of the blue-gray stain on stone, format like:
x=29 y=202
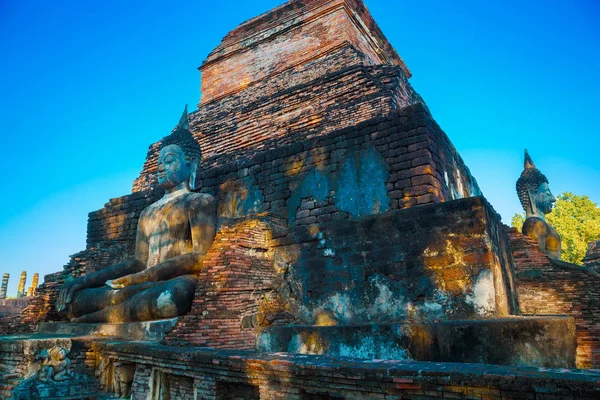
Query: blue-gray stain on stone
x=315 y=184
x=361 y=185
x=254 y=197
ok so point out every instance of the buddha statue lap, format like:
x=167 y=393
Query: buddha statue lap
x=537 y=201
x=173 y=235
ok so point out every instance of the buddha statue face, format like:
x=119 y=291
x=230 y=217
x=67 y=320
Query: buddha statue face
x=533 y=190
x=542 y=199
x=173 y=168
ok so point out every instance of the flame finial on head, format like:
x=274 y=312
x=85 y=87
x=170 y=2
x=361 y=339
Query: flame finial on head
x=531 y=178
x=182 y=137
x=528 y=164
x=184 y=122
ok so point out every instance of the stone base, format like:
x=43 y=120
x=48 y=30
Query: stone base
x=151 y=331
x=205 y=373
x=547 y=341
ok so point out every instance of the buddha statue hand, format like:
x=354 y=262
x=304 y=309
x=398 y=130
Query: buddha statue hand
x=67 y=292
x=188 y=263
x=94 y=280
x=128 y=280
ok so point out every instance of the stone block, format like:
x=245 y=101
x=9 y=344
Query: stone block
x=533 y=341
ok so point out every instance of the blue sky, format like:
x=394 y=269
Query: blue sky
x=86 y=87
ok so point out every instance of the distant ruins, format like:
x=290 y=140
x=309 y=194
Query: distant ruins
x=22 y=283
x=4 y=287
x=34 y=284
x=355 y=256
x=21 y=292
x=12 y=307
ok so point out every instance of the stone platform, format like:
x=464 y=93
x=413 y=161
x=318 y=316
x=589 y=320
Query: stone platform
x=547 y=341
x=151 y=331
x=196 y=373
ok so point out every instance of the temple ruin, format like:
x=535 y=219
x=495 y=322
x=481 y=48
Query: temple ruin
x=355 y=256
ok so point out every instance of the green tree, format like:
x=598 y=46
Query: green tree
x=577 y=221
x=517 y=221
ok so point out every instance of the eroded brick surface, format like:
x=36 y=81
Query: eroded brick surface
x=236 y=288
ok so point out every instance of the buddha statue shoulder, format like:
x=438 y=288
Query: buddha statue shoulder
x=537 y=201
x=173 y=235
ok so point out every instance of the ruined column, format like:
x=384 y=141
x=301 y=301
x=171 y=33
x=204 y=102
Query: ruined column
x=4 y=286
x=21 y=290
x=34 y=285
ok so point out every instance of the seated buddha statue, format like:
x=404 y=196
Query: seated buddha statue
x=173 y=235
x=537 y=201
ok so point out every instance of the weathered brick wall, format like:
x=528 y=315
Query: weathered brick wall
x=333 y=94
x=390 y=162
x=141 y=382
x=295 y=33
x=236 y=287
x=436 y=262
x=547 y=286
x=180 y=387
x=329 y=101
x=444 y=261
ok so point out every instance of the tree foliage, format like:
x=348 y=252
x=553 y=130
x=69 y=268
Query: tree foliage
x=577 y=221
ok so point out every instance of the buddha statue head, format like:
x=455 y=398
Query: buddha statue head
x=534 y=192
x=179 y=157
